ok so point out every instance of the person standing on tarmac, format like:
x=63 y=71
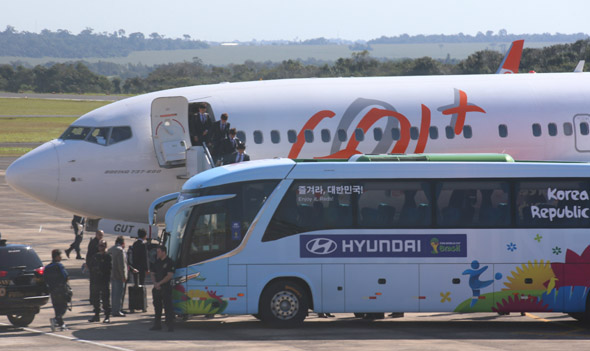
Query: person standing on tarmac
x=92 y=250
x=56 y=278
x=162 y=272
x=78 y=226
x=100 y=272
x=118 y=275
x=139 y=257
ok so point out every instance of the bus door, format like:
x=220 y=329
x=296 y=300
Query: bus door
x=333 y=287
x=582 y=132
x=381 y=287
x=170 y=130
x=442 y=287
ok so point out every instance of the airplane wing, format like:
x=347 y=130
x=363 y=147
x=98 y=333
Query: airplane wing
x=512 y=59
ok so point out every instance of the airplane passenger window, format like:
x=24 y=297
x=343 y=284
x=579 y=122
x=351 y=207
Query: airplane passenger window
x=503 y=130
x=552 y=129
x=359 y=134
x=75 y=133
x=99 y=135
x=258 y=137
x=414 y=133
x=325 y=135
x=275 y=137
x=467 y=132
x=342 y=135
x=242 y=136
x=378 y=134
x=292 y=136
x=308 y=136
x=450 y=132
x=395 y=134
x=433 y=133
x=584 y=128
x=536 y=129
x=568 y=129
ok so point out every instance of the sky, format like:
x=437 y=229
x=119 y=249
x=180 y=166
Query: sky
x=245 y=20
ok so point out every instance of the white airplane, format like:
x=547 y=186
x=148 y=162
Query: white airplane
x=114 y=161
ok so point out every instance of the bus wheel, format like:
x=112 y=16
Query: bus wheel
x=359 y=315
x=583 y=317
x=283 y=304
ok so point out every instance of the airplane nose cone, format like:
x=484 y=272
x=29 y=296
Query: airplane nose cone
x=36 y=173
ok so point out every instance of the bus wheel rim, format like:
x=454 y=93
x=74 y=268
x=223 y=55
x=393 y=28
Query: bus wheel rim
x=284 y=305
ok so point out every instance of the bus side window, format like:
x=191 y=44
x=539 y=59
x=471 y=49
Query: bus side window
x=467 y=204
x=545 y=204
x=393 y=204
x=312 y=205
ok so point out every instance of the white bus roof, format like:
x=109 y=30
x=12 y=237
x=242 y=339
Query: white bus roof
x=282 y=168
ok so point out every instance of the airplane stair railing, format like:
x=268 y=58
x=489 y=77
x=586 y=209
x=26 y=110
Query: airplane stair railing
x=198 y=159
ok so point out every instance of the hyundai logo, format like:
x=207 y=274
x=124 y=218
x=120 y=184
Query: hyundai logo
x=321 y=246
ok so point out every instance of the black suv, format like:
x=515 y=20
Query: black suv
x=22 y=289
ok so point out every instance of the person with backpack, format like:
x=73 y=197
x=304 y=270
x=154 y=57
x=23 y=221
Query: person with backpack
x=56 y=279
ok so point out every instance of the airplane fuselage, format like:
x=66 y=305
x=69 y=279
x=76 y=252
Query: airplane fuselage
x=529 y=116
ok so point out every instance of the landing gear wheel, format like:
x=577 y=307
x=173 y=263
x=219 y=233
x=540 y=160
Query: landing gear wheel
x=283 y=304
x=21 y=320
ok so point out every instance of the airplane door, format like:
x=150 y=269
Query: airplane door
x=582 y=130
x=170 y=130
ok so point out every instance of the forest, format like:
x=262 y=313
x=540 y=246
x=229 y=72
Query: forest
x=76 y=77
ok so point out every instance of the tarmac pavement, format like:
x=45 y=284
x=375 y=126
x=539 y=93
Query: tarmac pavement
x=24 y=220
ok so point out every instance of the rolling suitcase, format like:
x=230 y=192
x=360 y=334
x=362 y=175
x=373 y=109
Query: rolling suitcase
x=137 y=298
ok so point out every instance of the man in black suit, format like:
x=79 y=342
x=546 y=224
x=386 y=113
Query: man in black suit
x=139 y=257
x=219 y=132
x=238 y=156
x=199 y=125
x=229 y=146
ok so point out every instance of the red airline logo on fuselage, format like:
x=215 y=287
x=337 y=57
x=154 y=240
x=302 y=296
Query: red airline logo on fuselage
x=458 y=110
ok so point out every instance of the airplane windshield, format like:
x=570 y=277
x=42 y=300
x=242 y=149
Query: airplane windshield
x=97 y=135
x=75 y=133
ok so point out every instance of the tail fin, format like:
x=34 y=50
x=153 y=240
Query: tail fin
x=512 y=59
x=580 y=67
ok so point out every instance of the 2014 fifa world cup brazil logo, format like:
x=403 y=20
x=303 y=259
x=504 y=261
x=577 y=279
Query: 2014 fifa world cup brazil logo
x=434 y=243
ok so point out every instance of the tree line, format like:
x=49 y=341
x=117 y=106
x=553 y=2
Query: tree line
x=78 y=78
x=63 y=44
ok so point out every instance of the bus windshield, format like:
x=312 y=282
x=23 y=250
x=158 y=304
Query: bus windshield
x=211 y=229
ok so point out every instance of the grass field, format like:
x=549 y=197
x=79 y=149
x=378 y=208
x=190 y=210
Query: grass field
x=225 y=55
x=14 y=128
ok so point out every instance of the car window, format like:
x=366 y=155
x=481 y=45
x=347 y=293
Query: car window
x=19 y=256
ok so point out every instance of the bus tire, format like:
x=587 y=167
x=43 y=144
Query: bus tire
x=582 y=317
x=283 y=304
x=359 y=315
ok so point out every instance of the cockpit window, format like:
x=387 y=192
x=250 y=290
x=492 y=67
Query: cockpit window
x=98 y=135
x=75 y=133
x=119 y=134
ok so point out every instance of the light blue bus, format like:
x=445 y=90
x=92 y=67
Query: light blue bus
x=422 y=233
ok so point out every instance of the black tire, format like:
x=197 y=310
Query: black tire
x=582 y=317
x=359 y=315
x=283 y=304
x=257 y=316
x=21 y=320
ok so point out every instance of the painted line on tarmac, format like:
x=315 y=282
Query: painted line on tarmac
x=71 y=338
